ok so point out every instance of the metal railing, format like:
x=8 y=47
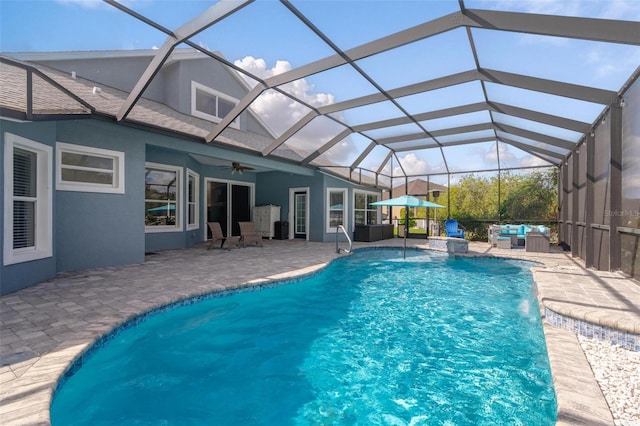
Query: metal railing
x=346 y=234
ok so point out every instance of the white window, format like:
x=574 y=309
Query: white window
x=27 y=200
x=193 y=199
x=83 y=168
x=364 y=213
x=336 y=208
x=210 y=104
x=163 y=198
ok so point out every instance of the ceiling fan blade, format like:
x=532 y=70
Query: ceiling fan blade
x=237 y=167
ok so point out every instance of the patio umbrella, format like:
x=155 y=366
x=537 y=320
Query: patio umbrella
x=406 y=201
x=162 y=209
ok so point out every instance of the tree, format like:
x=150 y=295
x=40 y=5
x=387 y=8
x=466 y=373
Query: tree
x=534 y=196
x=529 y=197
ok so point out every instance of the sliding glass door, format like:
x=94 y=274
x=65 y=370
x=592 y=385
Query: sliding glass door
x=228 y=203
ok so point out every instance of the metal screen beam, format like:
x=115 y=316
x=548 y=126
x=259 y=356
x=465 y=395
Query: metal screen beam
x=449 y=144
x=290 y=132
x=412 y=89
x=462 y=129
x=499 y=77
x=436 y=133
x=392 y=41
x=568 y=90
x=531 y=149
x=384 y=162
x=203 y=21
x=324 y=148
x=363 y=155
x=615 y=188
x=540 y=117
x=589 y=214
x=607 y=30
x=447 y=112
x=235 y=112
x=539 y=137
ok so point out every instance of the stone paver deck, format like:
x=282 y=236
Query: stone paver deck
x=45 y=327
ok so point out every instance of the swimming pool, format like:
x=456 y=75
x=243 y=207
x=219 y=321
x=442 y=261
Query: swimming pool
x=372 y=339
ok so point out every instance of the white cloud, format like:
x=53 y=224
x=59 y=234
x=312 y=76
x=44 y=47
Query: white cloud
x=280 y=112
x=533 y=161
x=258 y=67
x=627 y=10
x=414 y=165
x=506 y=156
x=607 y=61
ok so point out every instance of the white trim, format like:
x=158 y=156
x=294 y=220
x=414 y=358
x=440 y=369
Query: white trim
x=43 y=245
x=196 y=192
x=252 y=200
x=345 y=208
x=178 y=227
x=219 y=95
x=367 y=208
x=117 y=187
x=292 y=195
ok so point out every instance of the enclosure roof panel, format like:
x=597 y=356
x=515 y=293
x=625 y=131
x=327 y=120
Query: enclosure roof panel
x=399 y=88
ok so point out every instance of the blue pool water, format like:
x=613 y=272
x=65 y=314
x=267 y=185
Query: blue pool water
x=371 y=340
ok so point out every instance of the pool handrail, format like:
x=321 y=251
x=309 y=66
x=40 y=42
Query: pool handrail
x=344 y=231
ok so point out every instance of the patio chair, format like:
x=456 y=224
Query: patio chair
x=452 y=229
x=249 y=235
x=216 y=235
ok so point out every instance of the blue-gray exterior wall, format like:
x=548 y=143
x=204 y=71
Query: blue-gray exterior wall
x=21 y=275
x=119 y=73
x=98 y=229
x=211 y=74
x=332 y=182
x=273 y=188
x=171 y=86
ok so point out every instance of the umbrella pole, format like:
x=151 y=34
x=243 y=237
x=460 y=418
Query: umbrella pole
x=406 y=230
x=404 y=254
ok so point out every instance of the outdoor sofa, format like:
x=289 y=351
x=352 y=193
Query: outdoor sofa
x=518 y=234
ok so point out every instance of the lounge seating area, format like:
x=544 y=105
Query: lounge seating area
x=534 y=238
x=217 y=235
x=452 y=229
x=249 y=234
x=370 y=233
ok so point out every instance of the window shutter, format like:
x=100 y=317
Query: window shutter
x=25 y=193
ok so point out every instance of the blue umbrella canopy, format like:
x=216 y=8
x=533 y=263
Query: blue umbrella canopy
x=407 y=201
x=170 y=207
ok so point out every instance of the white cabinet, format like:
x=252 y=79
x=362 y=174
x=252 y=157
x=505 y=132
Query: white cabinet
x=265 y=218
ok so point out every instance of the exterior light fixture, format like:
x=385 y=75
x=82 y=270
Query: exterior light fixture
x=621 y=102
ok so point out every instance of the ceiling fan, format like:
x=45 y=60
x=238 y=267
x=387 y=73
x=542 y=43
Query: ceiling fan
x=238 y=168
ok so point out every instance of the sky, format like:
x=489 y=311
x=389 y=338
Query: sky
x=271 y=46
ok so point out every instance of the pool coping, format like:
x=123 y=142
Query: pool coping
x=28 y=400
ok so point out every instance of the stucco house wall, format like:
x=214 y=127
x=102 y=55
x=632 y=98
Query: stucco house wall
x=94 y=229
